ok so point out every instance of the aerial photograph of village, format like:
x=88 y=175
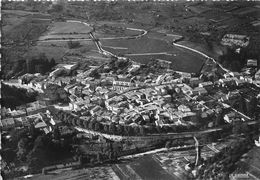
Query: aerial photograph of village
x=130 y=90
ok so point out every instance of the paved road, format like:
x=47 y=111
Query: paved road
x=144 y=32
x=147 y=54
x=189 y=134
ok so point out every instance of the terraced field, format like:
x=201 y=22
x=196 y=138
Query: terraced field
x=67 y=30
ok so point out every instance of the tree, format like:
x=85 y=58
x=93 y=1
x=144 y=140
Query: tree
x=73 y=44
x=152 y=129
x=136 y=130
x=91 y=125
x=106 y=128
x=168 y=144
x=65 y=118
x=112 y=128
x=57 y=8
x=159 y=129
x=52 y=63
x=219 y=118
x=142 y=131
x=251 y=106
x=74 y=121
x=95 y=74
x=56 y=133
x=166 y=129
x=37 y=156
x=173 y=129
x=85 y=124
x=33 y=131
x=97 y=126
x=55 y=93
x=126 y=130
x=22 y=149
x=120 y=129
x=79 y=122
x=237 y=127
x=99 y=158
x=245 y=128
x=101 y=103
x=131 y=131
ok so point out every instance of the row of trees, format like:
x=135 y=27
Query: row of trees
x=117 y=129
x=37 y=64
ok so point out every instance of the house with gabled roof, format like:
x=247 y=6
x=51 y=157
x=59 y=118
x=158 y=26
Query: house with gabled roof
x=194 y=81
x=94 y=110
x=207 y=84
x=110 y=95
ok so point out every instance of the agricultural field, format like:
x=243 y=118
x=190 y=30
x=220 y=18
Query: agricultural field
x=20 y=30
x=64 y=30
x=105 y=29
x=102 y=173
x=139 y=49
x=201 y=24
x=250 y=162
x=60 y=51
x=20 y=26
x=11 y=19
x=142 y=168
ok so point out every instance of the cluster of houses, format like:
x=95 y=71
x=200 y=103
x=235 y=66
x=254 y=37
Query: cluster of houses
x=40 y=120
x=168 y=99
x=30 y=114
x=172 y=98
x=235 y=40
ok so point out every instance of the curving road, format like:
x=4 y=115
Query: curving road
x=144 y=32
x=189 y=134
x=107 y=53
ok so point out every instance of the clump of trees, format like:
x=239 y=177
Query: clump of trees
x=117 y=65
x=220 y=165
x=54 y=93
x=40 y=64
x=97 y=153
x=21 y=38
x=232 y=60
x=235 y=61
x=57 y=7
x=12 y=96
x=73 y=44
x=153 y=66
x=36 y=149
x=36 y=64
